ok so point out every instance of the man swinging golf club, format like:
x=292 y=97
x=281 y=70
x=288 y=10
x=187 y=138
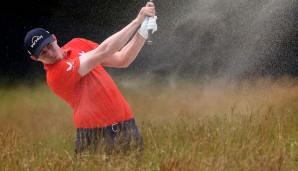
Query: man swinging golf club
x=75 y=73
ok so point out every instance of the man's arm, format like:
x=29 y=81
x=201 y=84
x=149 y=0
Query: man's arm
x=107 y=53
x=127 y=54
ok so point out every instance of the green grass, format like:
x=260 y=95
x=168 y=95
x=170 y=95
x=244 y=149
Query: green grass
x=252 y=125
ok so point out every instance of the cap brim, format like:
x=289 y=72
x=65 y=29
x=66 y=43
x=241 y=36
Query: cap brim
x=39 y=48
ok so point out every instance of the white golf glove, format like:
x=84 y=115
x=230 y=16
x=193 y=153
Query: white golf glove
x=143 y=29
x=151 y=24
x=148 y=23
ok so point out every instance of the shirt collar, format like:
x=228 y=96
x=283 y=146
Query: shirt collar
x=67 y=53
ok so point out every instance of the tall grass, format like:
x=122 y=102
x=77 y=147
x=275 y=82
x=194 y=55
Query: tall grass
x=248 y=125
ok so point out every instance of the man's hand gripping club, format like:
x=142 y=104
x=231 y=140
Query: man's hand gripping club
x=149 y=23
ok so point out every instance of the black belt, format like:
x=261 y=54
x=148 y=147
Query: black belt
x=113 y=128
x=120 y=125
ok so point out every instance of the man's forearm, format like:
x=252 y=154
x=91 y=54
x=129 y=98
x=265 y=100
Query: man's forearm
x=119 y=39
x=132 y=49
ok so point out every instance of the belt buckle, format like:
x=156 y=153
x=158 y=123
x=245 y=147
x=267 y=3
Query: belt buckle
x=113 y=127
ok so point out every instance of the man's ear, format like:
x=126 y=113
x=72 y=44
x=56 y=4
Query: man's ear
x=33 y=58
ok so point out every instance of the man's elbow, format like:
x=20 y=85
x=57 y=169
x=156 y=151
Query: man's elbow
x=124 y=64
x=122 y=60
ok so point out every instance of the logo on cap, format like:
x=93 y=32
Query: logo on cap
x=35 y=39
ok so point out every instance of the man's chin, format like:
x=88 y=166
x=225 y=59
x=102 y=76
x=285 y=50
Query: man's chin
x=57 y=59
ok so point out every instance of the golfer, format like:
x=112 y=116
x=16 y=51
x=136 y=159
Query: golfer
x=75 y=73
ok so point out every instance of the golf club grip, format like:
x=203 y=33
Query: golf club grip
x=149 y=40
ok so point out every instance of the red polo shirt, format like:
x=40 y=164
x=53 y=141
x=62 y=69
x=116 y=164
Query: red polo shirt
x=94 y=98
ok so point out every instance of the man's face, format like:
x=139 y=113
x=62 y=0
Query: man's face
x=51 y=53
